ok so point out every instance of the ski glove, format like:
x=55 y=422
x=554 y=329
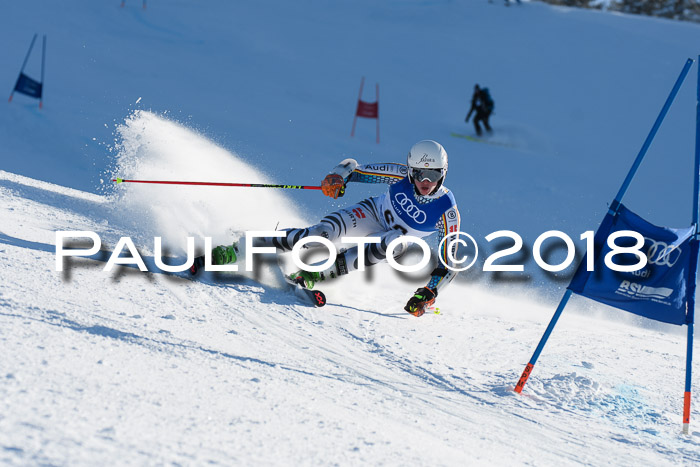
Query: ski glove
x=422 y=298
x=333 y=185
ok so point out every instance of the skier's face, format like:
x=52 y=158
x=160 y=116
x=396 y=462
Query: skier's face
x=425 y=187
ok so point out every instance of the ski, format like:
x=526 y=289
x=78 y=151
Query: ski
x=481 y=140
x=313 y=297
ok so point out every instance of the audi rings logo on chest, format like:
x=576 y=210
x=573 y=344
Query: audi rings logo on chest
x=411 y=210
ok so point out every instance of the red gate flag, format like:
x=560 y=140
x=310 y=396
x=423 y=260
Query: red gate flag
x=366 y=110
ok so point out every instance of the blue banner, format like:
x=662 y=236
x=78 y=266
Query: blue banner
x=28 y=86
x=659 y=290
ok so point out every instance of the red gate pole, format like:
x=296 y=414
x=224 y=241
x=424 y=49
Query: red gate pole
x=359 y=98
x=377 y=113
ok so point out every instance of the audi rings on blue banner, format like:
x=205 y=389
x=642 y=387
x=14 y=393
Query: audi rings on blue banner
x=662 y=254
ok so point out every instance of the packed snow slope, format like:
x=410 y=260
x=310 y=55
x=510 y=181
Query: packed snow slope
x=142 y=368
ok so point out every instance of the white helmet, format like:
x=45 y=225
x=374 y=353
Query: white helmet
x=427 y=159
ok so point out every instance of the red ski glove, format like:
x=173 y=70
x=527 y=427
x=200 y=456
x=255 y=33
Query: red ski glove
x=333 y=185
x=422 y=298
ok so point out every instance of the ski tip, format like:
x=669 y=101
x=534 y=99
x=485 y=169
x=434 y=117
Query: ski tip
x=319 y=298
x=118 y=180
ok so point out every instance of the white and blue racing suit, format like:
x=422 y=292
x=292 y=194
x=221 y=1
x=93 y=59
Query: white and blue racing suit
x=399 y=211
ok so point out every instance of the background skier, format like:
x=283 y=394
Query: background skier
x=483 y=105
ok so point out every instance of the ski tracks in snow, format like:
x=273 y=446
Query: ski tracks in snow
x=254 y=362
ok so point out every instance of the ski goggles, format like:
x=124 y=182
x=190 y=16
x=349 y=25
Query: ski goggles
x=431 y=175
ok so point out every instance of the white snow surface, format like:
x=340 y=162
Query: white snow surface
x=127 y=367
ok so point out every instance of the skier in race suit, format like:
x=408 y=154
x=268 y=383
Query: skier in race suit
x=416 y=203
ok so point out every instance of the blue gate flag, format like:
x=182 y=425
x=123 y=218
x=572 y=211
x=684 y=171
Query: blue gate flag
x=28 y=86
x=659 y=290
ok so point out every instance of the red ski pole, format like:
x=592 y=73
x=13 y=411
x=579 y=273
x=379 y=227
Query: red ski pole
x=246 y=185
